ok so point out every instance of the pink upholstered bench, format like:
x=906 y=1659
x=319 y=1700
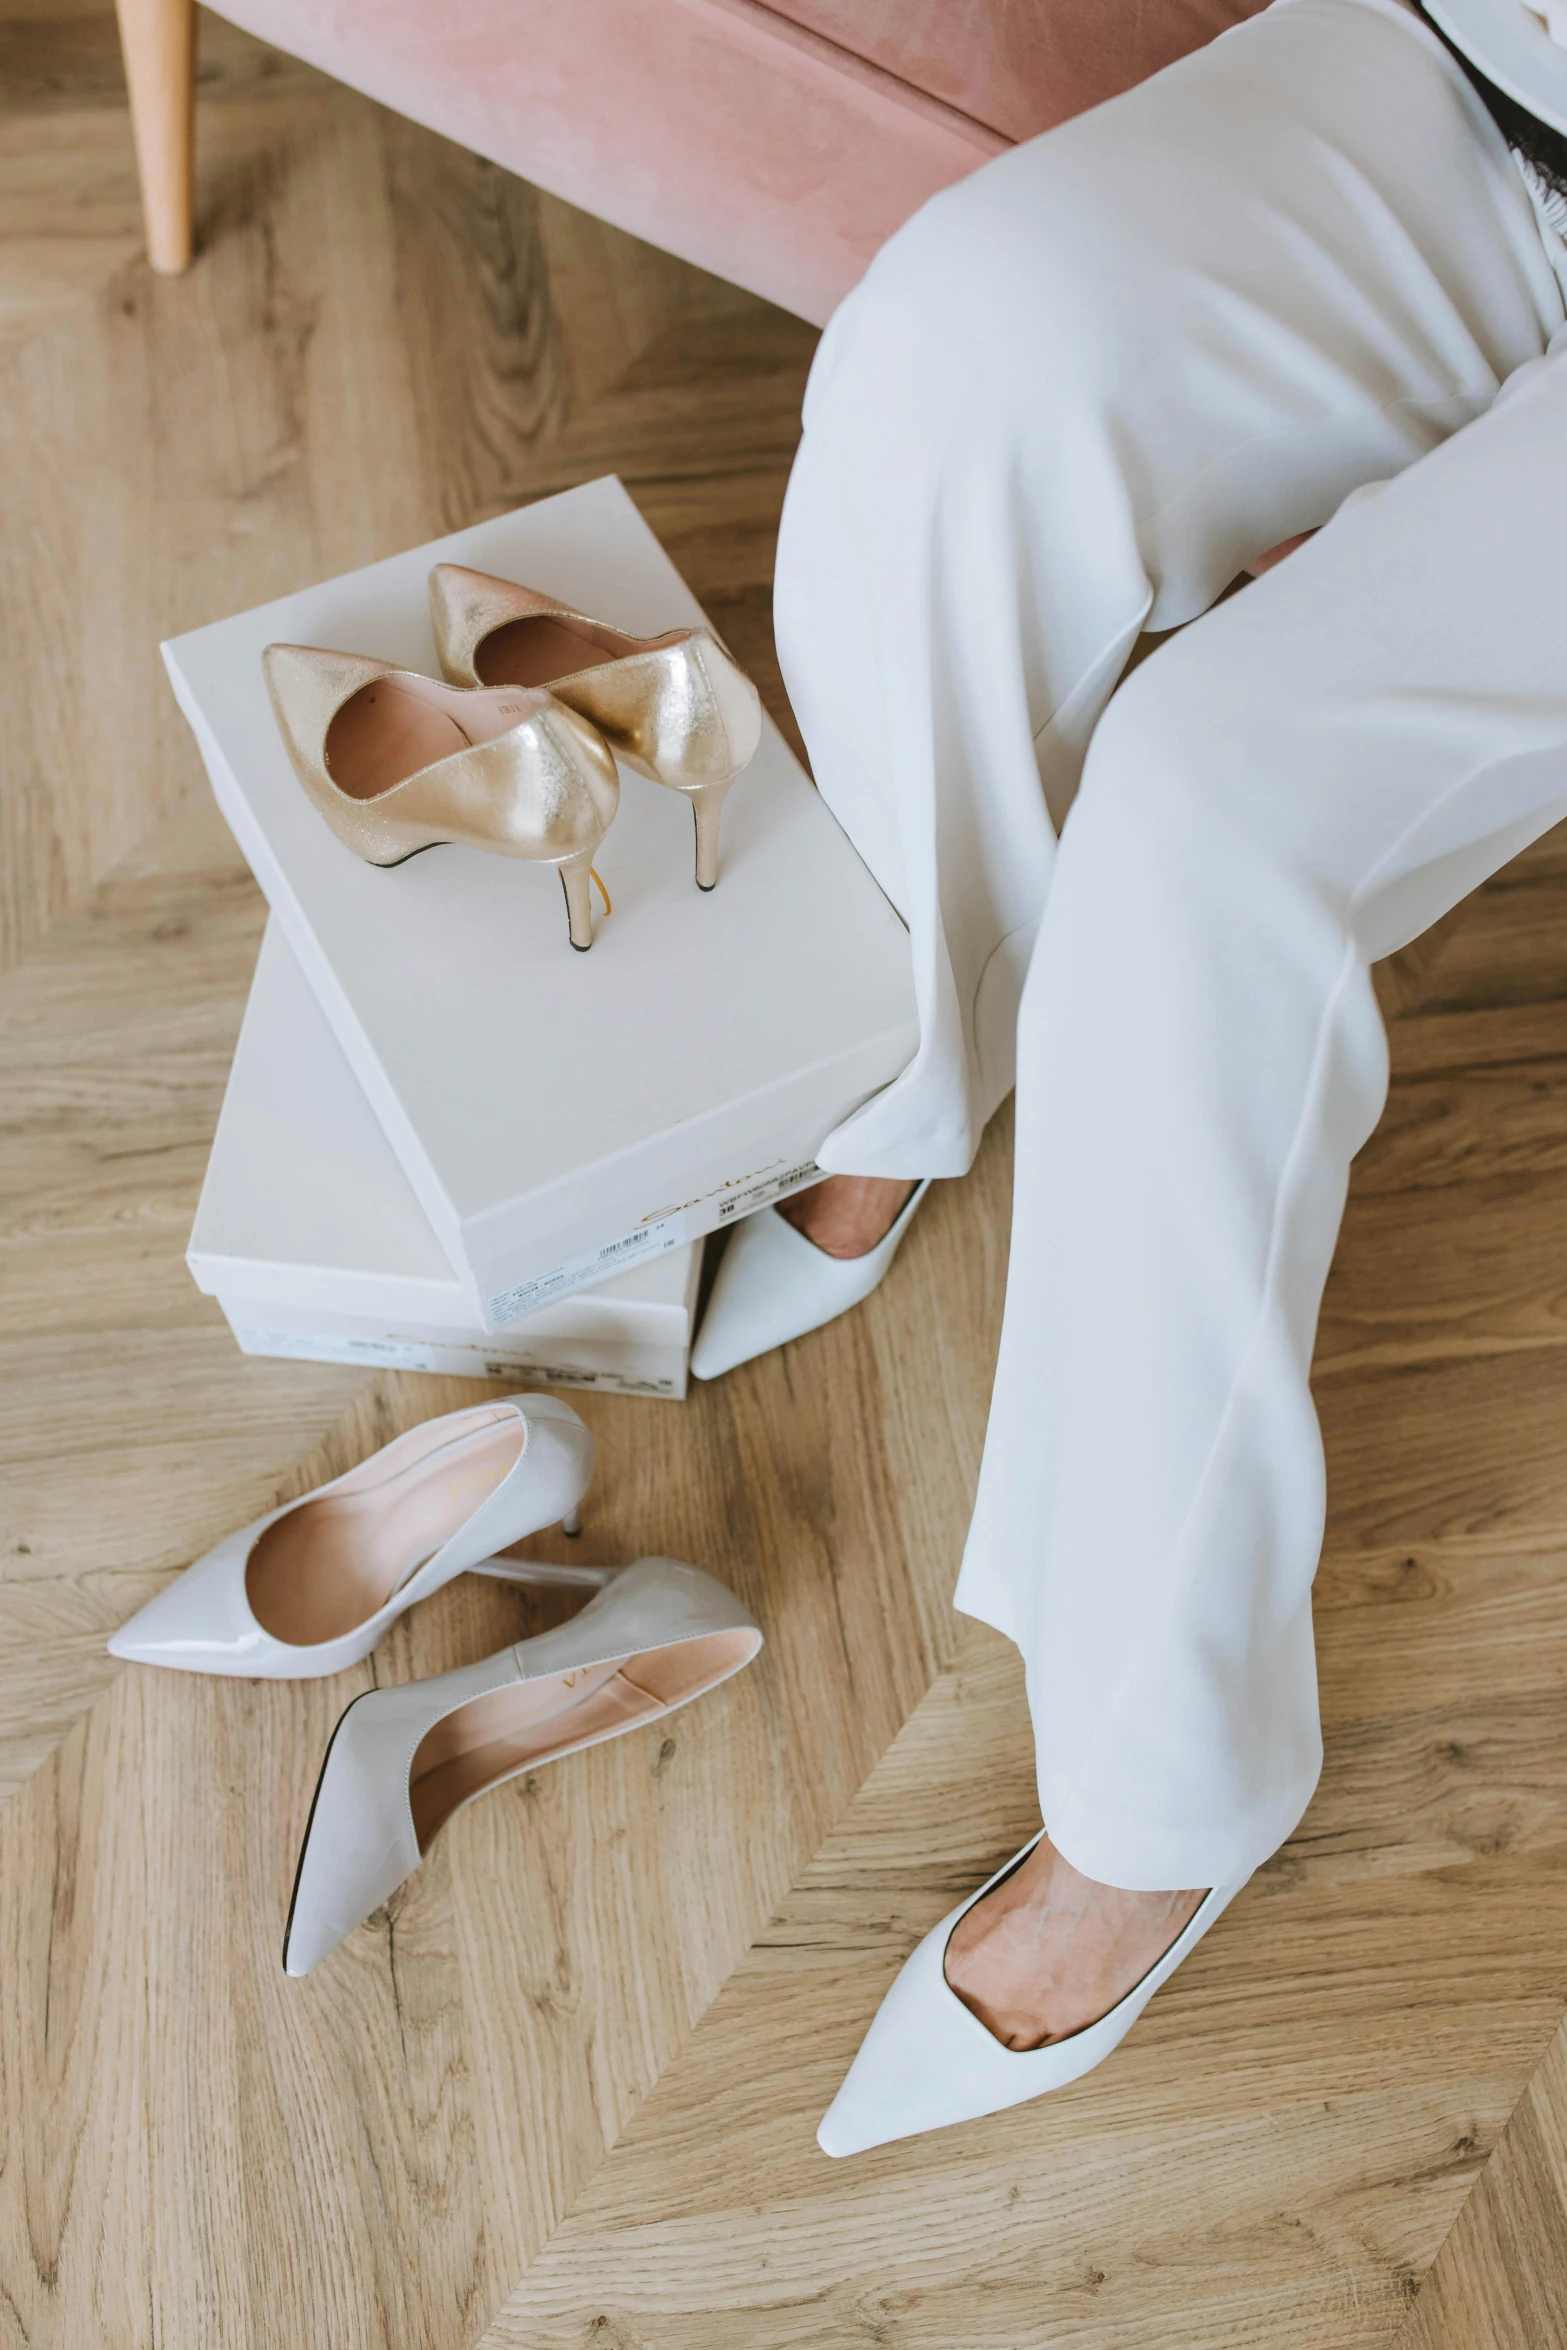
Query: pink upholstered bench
x=776 y=145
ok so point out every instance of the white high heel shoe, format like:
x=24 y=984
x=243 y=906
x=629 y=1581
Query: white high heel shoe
x=311 y=1587
x=774 y=1285
x=928 y=2061
x=402 y=1760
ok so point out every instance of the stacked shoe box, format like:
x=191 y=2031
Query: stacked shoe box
x=311 y=1240
x=450 y=1141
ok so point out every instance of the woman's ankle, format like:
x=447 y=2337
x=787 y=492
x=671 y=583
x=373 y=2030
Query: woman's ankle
x=1049 y=1951
x=848 y=1215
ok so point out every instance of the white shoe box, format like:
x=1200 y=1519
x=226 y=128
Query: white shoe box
x=559 y=1114
x=310 y=1238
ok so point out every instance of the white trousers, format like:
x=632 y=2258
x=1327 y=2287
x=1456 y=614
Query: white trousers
x=1071 y=400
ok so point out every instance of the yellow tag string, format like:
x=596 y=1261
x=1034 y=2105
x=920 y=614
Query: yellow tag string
x=603 y=892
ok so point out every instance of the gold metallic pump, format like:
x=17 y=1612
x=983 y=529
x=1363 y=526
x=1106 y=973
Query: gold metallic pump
x=397 y=763
x=674 y=707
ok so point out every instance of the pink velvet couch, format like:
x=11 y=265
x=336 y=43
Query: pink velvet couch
x=776 y=145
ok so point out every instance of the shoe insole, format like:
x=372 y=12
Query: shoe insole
x=330 y=1564
x=537 y=651
x=492 y=1738
x=393 y=728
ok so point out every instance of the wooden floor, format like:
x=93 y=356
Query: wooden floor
x=561 y=2093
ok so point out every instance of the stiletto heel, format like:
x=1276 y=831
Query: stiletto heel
x=676 y=707
x=575 y=875
x=403 y=1759
x=546 y=1575
x=707 y=808
x=396 y=763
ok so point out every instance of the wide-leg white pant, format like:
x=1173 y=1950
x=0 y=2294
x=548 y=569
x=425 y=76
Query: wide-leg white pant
x=1072 y=399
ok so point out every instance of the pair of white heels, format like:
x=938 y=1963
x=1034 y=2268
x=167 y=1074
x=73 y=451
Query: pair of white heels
x=309 y=1589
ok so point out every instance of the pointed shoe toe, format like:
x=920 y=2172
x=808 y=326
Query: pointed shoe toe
x=927 y=2061
x=774 y=1286
x=360 y=1842
x=201 y=1622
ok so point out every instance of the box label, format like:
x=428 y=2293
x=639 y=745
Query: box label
x=300 y=1346
x=596 y=1264
x=573 y=1375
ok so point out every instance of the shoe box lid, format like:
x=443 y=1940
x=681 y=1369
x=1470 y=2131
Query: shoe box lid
x=306 y=1208
x=556 y=1113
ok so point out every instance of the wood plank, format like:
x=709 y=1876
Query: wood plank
x=1500 y=2280
x=132 y=1433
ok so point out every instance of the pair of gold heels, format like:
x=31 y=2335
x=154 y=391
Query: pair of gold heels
x=516 y=751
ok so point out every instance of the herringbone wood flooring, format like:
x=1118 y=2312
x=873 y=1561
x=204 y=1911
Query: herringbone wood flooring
x=561 y=2093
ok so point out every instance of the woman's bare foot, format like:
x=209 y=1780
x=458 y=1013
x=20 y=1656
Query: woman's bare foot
x=1050 y=1952
x=846 y=1215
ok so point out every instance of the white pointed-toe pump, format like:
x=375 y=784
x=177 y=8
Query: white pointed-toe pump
x=927 y=2060
x=402 y=1761
x=774 y=1285
x=311 y=1587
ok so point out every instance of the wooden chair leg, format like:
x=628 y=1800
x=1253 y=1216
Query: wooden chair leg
x=158 y=38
